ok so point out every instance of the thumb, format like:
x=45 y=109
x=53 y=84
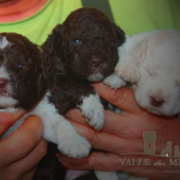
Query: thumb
x=7 y=119
x=122 y=97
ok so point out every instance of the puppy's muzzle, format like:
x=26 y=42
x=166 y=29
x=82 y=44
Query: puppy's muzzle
x=96 y=62
x=3 y=84
x=156 y=101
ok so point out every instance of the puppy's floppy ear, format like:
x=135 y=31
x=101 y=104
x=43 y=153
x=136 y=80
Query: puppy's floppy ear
x=49 y=46
x=139 y=51
x=120 y=35
x=47 y=65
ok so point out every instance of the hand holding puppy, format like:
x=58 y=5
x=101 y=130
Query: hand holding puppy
x=22 y=150
x=123 y=133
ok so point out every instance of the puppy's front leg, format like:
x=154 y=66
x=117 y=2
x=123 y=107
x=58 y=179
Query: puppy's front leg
x=93 y=110
x=114 y=81
x=127 y=69
x=67 y=94
x=131 y=54
x=59 y=131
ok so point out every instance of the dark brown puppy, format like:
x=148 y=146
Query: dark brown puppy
x=85 y=50
x=85 y=46
x=23 y=72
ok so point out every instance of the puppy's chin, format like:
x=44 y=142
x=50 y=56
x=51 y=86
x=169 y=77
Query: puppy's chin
x=162 y=112
x=6 y=102
x=95 y=77
x=169 y=108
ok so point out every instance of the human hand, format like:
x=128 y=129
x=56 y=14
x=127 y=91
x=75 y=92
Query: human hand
x=123 y=133
x=21 y=151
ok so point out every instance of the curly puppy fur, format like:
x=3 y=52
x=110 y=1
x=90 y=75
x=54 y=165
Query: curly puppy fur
x=24 y=75
x=150 y=62
x=23 y=72
x=85 y=50
x=85 y=45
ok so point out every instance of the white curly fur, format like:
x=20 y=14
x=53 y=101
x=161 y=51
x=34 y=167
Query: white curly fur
x=150 y=61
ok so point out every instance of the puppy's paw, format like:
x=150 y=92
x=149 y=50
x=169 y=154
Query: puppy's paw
x=74 y=146
x=93 y=110
x=95 y=116
x=114 y=81
x=128 y=72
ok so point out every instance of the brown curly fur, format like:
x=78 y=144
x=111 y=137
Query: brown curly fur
x=85 y=44
x=29 y=82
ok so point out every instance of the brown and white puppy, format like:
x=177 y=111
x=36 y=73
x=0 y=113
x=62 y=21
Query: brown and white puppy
x=85 y=50
x=24 y=77
x=85 y=46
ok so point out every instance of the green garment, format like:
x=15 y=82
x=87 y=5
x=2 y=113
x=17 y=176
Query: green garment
x=137 y=16
x=133 y=16
x=37 y=27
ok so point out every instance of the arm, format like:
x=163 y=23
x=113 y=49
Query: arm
x=22 y=150
x=123 y=133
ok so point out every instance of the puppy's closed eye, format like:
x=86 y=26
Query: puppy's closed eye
x=151 y=72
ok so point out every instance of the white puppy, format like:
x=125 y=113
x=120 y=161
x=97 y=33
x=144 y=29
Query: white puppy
x=151 y=63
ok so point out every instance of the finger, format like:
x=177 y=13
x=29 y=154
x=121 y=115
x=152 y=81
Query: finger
x=29 y=175
x=31 y=160
x=106 y=161
x=110 y=162
x=129 y=126
x=117 y=124
x=7 y=119
x=107 y=141
x=76 y=115
x=25 y=168
x=95 y=161
x=122 y=98
x=22 y=141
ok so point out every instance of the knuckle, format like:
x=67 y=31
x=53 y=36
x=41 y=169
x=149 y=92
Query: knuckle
x=35 y=125
x=116 y=96
x=92 y=138
x=95 y=165
x=42 y=149
x=27 y=141
x=35 y=121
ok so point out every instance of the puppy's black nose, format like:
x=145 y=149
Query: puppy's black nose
x=96 y=61
x=3 y=82
x=157 y=102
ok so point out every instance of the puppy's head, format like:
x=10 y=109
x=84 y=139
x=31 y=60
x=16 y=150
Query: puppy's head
x=86 y=43
x=22 y=72
x=158 y=88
